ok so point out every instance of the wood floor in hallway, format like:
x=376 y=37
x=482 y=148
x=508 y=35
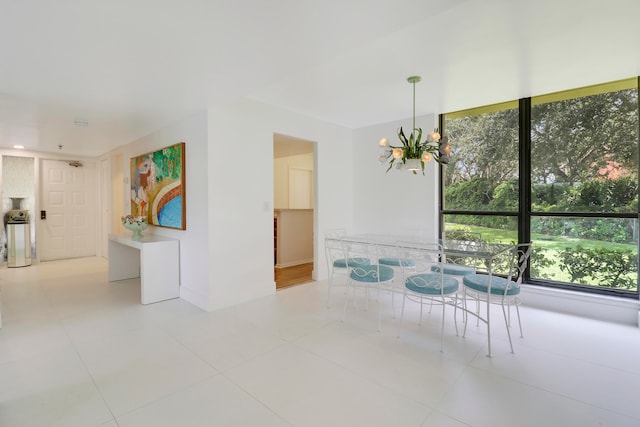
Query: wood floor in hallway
x=295 y=275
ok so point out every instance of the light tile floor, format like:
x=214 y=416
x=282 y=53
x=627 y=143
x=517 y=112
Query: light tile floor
x=76 y=350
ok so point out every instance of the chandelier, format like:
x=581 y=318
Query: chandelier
x=414 y=152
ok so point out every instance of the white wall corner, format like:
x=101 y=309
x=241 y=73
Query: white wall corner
x=195 y=298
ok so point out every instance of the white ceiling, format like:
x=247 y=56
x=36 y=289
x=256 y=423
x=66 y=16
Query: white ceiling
x=132 y=67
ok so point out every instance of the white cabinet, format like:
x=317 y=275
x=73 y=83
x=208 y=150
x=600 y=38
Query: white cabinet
x=155 y=259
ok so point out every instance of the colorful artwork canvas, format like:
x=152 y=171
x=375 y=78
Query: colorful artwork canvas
x=158 y=187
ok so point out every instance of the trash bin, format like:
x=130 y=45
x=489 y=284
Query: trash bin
x=18 y=239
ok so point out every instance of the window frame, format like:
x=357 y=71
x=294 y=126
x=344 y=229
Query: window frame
x=525 y=212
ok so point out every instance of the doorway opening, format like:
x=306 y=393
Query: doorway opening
x=293 y=210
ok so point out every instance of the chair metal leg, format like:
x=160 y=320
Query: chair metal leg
x=455 y=312
x=329 y=290
x=393 y=300
x=346 y=299
x=509 y=313
x=379 y=310
x=488 y=324
x=519 y=323
x=404 y=300
x=466 y=314
x=441 y=327
x=506 y=322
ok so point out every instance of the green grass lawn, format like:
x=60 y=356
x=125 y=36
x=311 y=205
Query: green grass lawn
x=549 y=246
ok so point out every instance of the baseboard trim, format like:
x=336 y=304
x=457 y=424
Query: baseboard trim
x=602 y=307
x=294 y=263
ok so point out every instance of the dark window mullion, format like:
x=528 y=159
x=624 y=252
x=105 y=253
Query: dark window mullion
x=638 y=163
x=524 y=212
x=441 y=169
x=480 y=213
x=586 y=214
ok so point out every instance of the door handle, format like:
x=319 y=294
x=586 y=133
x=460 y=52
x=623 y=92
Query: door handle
x=43 y=214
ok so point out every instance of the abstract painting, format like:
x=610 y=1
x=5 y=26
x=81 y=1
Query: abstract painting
x=158 y=187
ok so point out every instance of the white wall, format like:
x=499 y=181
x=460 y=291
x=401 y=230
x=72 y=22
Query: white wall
x=226 y=253
x=240 y=194
x=602 y=307
x=195 y=271
x=295 y=237
x=397 y=201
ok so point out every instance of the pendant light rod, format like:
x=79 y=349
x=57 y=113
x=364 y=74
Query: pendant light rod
x=413 y=80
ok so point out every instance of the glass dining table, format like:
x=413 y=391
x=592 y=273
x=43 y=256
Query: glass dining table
x=485 y=253
x=463 y=248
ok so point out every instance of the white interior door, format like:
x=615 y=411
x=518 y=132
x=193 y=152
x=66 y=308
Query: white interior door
x=300 y=184
x=68 y=198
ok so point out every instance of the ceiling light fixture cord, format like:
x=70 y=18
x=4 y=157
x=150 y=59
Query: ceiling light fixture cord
x=413 y=129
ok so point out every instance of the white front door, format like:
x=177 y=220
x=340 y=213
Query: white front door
x=68 y=199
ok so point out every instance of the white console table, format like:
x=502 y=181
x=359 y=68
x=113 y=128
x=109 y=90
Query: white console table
x=155 y=259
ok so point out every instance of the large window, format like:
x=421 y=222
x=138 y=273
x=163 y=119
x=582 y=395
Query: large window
x=483 y=172
x=481 y=181
x=564 y=168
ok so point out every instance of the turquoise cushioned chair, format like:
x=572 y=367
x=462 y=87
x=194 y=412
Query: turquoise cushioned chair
x=397 y=262
x=351 y=262
x=337 y=263
x=371 y=273
x=454 y=269
x=432 y=284
x=369 y=277
x=400 y=265
x=426 y=285
x=499 y=285
x=499 y=290
x=455 y=266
